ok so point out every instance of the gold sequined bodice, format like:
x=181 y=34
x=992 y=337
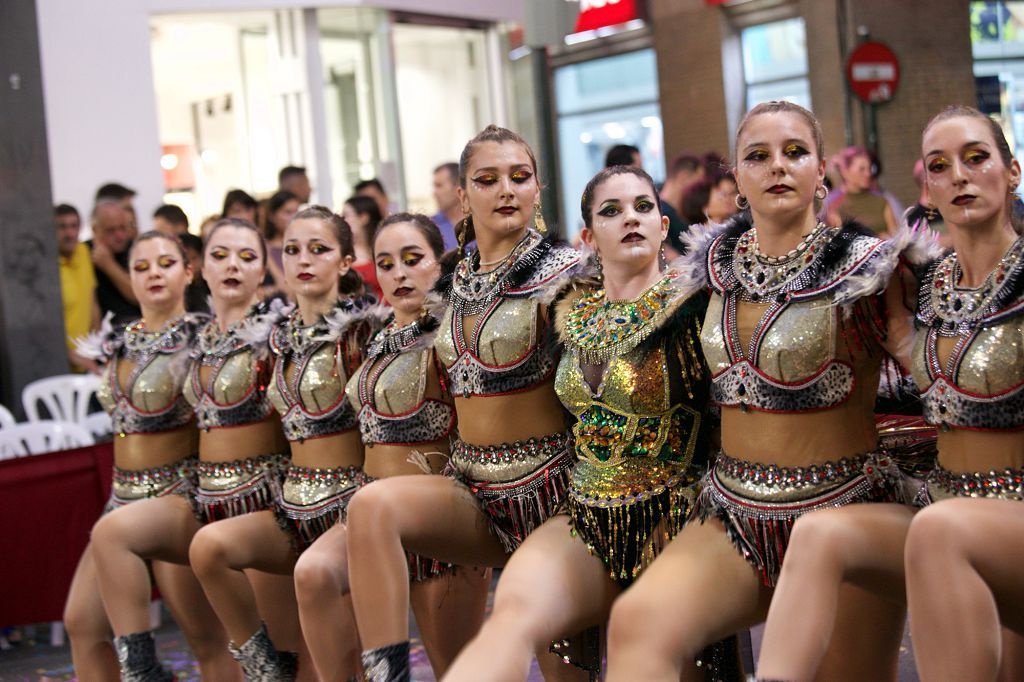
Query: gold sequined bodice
x=152 y=387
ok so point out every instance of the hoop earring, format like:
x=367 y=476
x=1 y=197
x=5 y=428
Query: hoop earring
x=538 y=219
x=821 y=192
x=741 y=202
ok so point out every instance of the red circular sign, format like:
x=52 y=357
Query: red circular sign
x=873 y=72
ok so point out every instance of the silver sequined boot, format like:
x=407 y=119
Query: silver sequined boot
x=387 y=663
x=261 y=662
x=137 y=655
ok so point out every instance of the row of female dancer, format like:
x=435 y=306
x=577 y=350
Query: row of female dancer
x=665 y=450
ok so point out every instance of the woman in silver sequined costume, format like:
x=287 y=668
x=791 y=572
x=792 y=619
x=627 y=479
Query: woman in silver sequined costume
x=510 y=461
x=406 y=419
x=967 y=361
x=225 y=385
x=316 y=347
x=799 y=315
x=154 y=457
x=964 y=551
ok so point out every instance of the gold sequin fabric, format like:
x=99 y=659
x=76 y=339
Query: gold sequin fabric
x=315 y=499
x=228 y=489
x=130 y=485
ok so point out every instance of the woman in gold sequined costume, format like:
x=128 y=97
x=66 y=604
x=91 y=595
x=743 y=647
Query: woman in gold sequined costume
x=798 y=318
x=510 y=462
x=225 y=384
x=976 y=405
x=406 y=419
x=633 y=377
x=154 y=457
x=316 y=348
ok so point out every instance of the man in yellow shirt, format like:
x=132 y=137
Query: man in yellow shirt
x=77 y=284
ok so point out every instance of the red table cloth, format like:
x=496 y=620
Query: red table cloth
x=48 y=504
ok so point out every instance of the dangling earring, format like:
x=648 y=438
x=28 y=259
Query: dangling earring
x=538 y=219
x=931 y=214
x=662 y=261
x=464 y=226
x=600 y=269
x=821 y=192
x=741 y=202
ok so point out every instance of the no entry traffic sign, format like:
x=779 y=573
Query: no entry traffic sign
x=873 y=72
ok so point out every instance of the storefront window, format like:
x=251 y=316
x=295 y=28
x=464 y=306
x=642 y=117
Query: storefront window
x=601 y=103
x=775 y=62
x=997 y=38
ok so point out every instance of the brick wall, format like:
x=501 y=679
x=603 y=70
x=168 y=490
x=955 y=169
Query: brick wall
x=931 y=39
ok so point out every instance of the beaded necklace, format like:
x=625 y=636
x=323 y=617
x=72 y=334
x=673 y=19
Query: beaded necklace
x=393 y=339
x=960 y=308
x=473 y=292
x=599 y=329
x=140 y=345
x=764 y=276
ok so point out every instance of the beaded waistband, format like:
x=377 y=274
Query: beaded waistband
x=217 y=474
x=771 y=482
x=632 y=481
x=1007 y=484
x=506 y=461
x=136 y=484
x=305 y=486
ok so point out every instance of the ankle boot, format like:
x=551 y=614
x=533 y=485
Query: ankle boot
x=137 y=655
x=260 y=661
x=387 y=663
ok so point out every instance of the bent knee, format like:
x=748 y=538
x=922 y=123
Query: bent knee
x=83 y=623
x=372 y=506
x=210 y=549
x=632 y=621
x=936 y=530
x=821 y=534
x=318 y=575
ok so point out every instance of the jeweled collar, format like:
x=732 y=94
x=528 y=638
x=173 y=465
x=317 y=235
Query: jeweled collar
x=394 y=339
x=139 y=344
x=597 y=329
x=473 y=292
x=301 y=339
x=954 y=310
x=764 y=277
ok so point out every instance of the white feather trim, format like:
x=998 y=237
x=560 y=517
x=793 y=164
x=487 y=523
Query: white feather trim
x=692 y=265
x=255 y=330
x=917 y=245
x=340 y=319
x=94 y=345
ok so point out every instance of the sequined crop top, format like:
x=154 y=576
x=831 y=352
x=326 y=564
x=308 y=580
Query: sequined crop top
x=651 y=392
x=504 y=352
x=791 y=363
x=312 y=364
x=980 y=385
x=389 y=390
x=150 y=401
x=236 y=361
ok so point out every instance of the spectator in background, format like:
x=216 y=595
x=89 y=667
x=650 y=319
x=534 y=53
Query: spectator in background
x=375 y=190
x=684 y=170
x=363 y=215
x=240 y=204
x=77 y=285
x=123 y=196
x=294 y=179
x=207 y=225
x=281 y=208
x=170 y=219
x=109 y=247
x=623 y=155
x=197 y=292
x=713 y=198
x=449 y=211
x=924 y=209
x=714 y=164
x=858 y=200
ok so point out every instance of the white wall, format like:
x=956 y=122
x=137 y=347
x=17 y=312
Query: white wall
x=98 y=93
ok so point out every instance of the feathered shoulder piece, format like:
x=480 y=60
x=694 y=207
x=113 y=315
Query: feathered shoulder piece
x=956 y=310
x=252 y=331
x=102 y=344
x=915 y=246
x=291 y=336
x=596 y=329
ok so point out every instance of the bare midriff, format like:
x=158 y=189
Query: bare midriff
x=964 y=451
x=137 y=451
x=393 y=460
x=492 y=420
x=338 y=450
x=242 y=442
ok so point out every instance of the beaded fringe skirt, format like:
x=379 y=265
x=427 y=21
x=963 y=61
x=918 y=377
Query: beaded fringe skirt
x=229 y=489
x=130 y=485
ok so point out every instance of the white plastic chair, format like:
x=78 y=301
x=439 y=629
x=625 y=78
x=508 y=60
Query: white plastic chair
x=34 y=438
x=65 y=396
x=6 y=418
x=98 y=424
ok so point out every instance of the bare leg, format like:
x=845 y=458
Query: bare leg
x=88 y=629
x=860 y=545
x=192 y=612
x=698 y=591
x=325 y=609
x=219 y=554
x=449 y=610
x=1011 y=667
x=429 y=515
x=551 y=588
x=125 y=541
x=275 y=601
x=963 y=562
x=866 y=639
